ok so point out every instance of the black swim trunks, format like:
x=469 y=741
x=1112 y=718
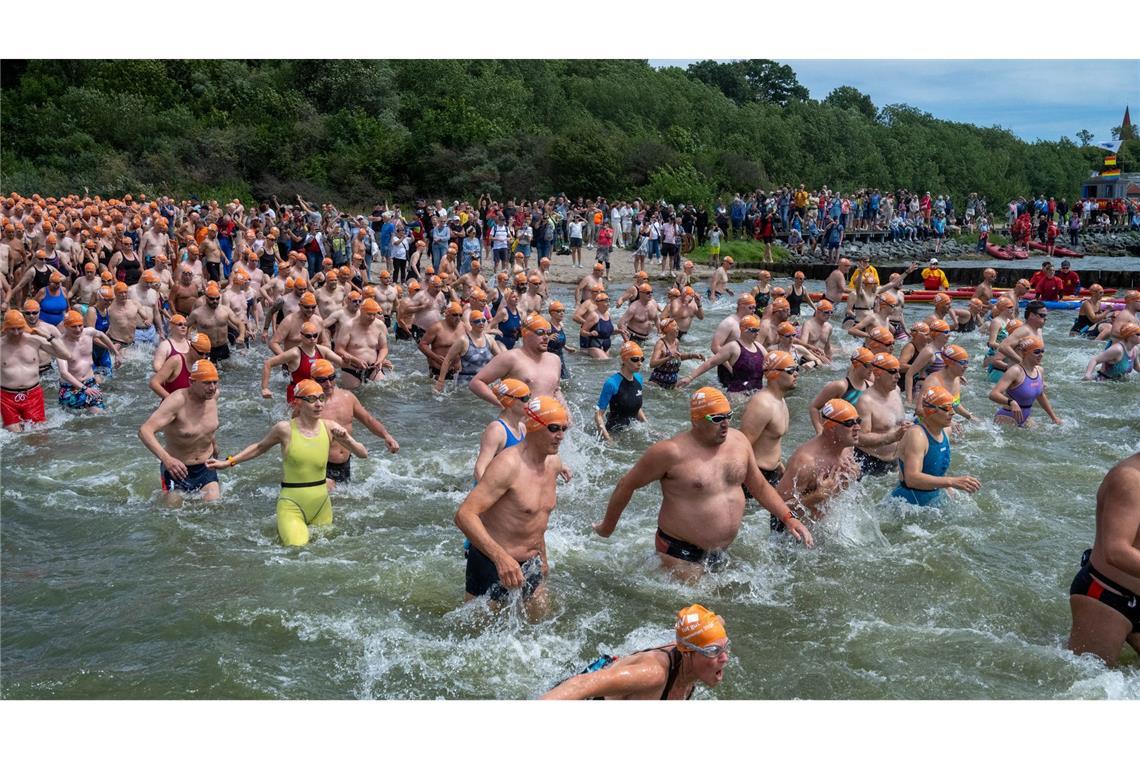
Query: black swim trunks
x=872 y=465
x=339 y=472
x=198 y=476
x=638 y=338
x=483 y=579
x=714 y=560
x=435 y=373
x=1091 y=583
x=219 y=352
x=401 y=333
x=418 y=333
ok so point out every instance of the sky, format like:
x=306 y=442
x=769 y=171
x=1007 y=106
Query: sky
x=1034 y=99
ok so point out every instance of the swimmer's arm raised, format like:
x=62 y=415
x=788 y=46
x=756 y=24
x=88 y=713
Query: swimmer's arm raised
x=653 y=466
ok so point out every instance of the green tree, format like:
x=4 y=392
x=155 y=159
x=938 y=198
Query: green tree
x=851 y=99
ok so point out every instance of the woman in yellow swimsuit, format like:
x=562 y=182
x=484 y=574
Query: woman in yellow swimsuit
x=304 y=498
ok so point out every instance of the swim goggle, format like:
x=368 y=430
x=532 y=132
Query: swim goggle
x=844 y=423
x=711 y=651
x=947 y=409
x=716 y=419
x=326 y=379
x=313 y=399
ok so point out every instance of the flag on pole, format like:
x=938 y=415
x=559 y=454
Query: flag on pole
x=1110 y=160
x=1115 y=172
x=1112 y=146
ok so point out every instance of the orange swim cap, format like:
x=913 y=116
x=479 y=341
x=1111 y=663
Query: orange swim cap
x=212 y=290
x=204 y=371
x=56 y=278
x=509 y=390
x=786 y=328
x=178 y=319
x=108 y=295
x=728 y=260
x=308 y=299
x=14 y=320
x=535 y=322
x=150 y=275
x=72 y=319
x=939 y=326
x=322 y=368
x=543 y=411
x=478 y=294
x=884 y=363
x=1024 y=283
x=698 y=627
x=641 y=273
x=778 y=361
x=630 y=349
x=862 y=355
x=106 y=276
x=1030 y=343
x=837 y=411
x=668 y=325
x=554 y=306
x=1129 y=330
x=749 y=322
x=942 y=298
x=300 y=283
x=954 y=352
x=435 y=280
x=201 y=343
x=746 y=300
x=781 y=304
x=453 y=309
x=707 y=400
x=89 y=266
x=1013 y=324
x=369 y=306
x=824 y=305
x=120 y=287
x=307 y=387
x=937 y=397
x=674 y=293
x=239 y=278
x=310 y=327
x=1000 y=305
x=1132 y=295
x=414 y=286
x=889 y=299
x=921 y=328
x=881 y=335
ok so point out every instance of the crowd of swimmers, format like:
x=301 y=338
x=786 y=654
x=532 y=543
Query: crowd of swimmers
x=84 y=290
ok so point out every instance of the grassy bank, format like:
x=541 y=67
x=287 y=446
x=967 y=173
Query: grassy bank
x=743 y=252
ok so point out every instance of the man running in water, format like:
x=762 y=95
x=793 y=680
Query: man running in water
x=530 y=362
x=701 y=471
x=343 y=407
x=766 y=418
x=188 y=420
x=506 y=514
x=1105 y=594
x=824 y=466
x=21 y=397
x=698 y=654
x=884 y=419
x=78 y=384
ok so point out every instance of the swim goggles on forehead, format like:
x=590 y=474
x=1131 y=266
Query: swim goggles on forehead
x=710 y=651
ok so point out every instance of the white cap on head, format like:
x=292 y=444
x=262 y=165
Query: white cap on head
x=933 y=260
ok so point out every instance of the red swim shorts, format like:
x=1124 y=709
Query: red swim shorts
x=22 y=405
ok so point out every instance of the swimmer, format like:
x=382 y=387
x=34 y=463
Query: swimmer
x=701 y=471
x=1130 y=314
x=849 y=389
x=1120 y=358
x=955 y=362
x=188 y=421
x=729 y=327
x=641 y=318
x=984 y=292
x=505 y=516
x=597 y=328
x=836 y=283
x=766 y=418
x=305 y=440
x=21 y=397
x=824 y=466
x=998 y=332
x=884 y=419
x=472 y=351
x=718 y=283
x=594 y=279
x=1092 y=313
x=924 y=453
x=343 y=407
x=1105 y=594
x=879 y=340
x=426 y=307
x=698 y=654
x=927 y=360
x=298 y=361
x=1022 y=385
x=507 y=322
x=530 y=362
x=557 y=344
x=684 y=310
x=532 y=299
x=78 y=384
x=885 y=304
x=287 y=334
x=620 y=401
x=969 y=320
x=508 y=429
x=438 y=340
x=49 y=331
x=778 y=312
x=742 y=360
x=816 y=333
x=174 y=374
x=363 y=346
x=215 y=318
x=667 y=355
x=176 y=342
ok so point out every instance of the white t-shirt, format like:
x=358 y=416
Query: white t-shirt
x=575 y=229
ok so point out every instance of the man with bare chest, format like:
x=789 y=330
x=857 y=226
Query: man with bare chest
x=287 y=335
x=185 y=293
x=884 y=420
x=215 y=319
x=344 y=407
x=439 y=338
x=766 y=417
x=330 y=296
x=363 y=343
x=530 y=362
x=640 y=319
x=701 y=471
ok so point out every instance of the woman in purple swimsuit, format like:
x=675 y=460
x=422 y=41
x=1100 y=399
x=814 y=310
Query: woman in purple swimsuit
x=1022 y=385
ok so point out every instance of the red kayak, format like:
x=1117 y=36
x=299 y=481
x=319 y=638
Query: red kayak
x=1057 y=250
x=999 y=252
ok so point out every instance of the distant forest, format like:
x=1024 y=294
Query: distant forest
x=356 y=131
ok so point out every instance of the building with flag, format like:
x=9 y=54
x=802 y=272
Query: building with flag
x=1109 y=184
